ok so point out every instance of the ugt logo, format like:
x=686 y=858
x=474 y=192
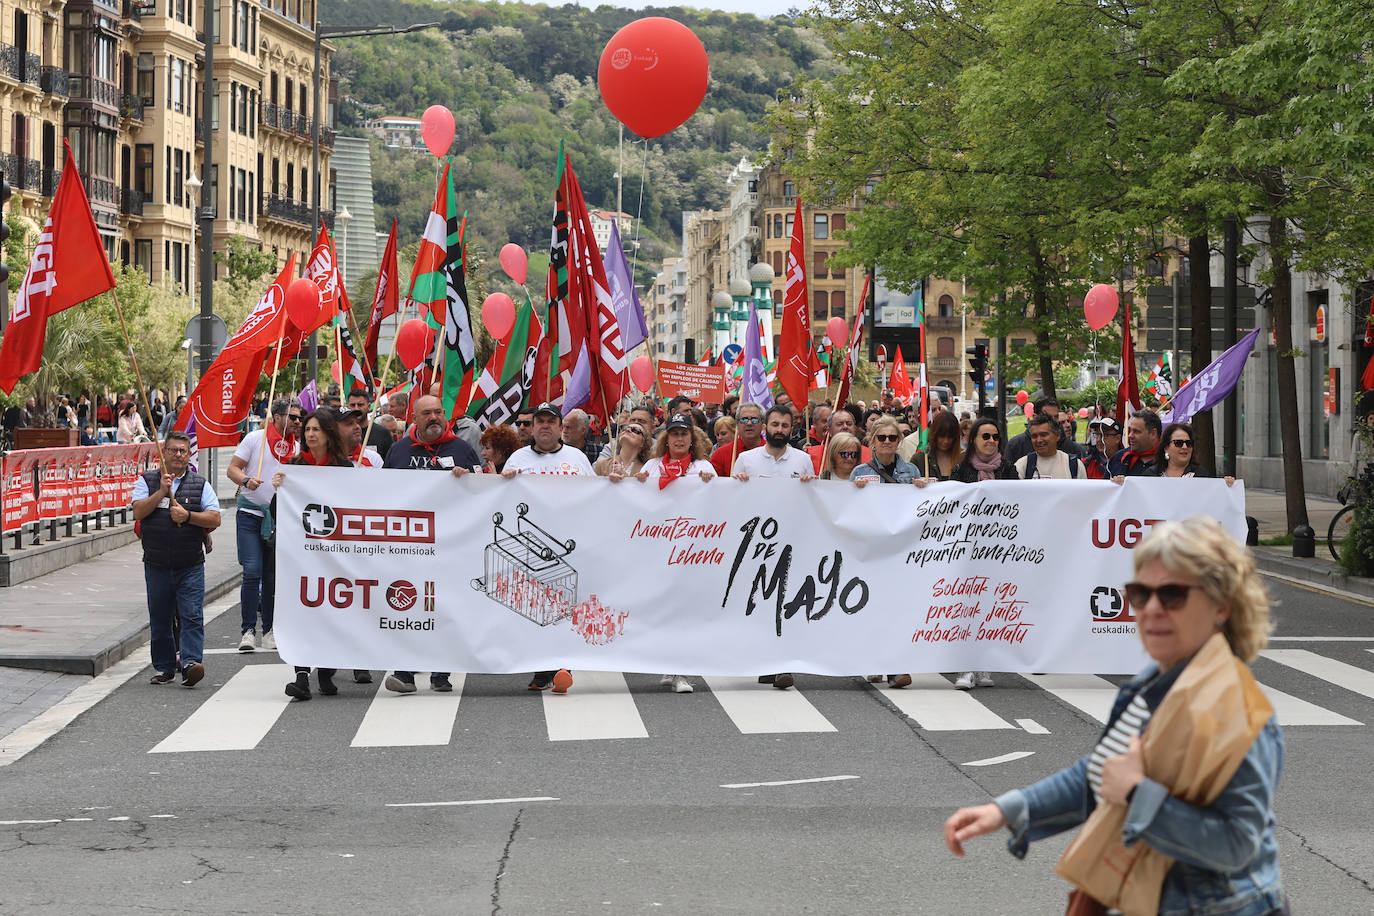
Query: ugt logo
x=1109 y=605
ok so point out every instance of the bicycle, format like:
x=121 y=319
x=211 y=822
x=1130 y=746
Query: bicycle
x=1354 y=493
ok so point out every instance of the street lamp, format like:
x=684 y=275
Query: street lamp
x=322 y=32
x=193 y=185
x=344 y=217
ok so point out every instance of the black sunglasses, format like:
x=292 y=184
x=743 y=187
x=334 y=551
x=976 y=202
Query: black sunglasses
x=1171 y=595
x=633 y=429
x=887 y=437
x=524 y=422
x=991 y=437
x=1181 y=443
x=295 y=417
x=847 y=454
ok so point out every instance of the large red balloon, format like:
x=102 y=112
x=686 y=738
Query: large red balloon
x=413 y=341
x=436 y=129
x=837 y=331
x=498 y=314
x=303 y=303
x=653 y=75
x=1022 y=397
x=1099 y=306
x=514 y=262
x=642 y=373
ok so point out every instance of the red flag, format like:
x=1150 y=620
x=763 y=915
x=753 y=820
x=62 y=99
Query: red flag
x=68 y=267
x=323 y=269
x=797 y=363
x=1129 y=388
x=901 y=382
x=851 y=361
x=1367 y=377
x=224 y=394
x=385 y=301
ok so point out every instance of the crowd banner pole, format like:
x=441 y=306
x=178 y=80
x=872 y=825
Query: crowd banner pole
x=272 y=389
x=138 y=377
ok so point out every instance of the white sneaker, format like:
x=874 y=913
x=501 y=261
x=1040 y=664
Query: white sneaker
x=269 y=641
x=965 y=681
x=681 y=684
x=246 y=642
x=984 y=678
x=666 y=680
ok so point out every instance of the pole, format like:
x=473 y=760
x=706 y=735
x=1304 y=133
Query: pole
x=272 y=390
x=314 y=164
x=205 y=212
x=138 y=377
x=1231 y=416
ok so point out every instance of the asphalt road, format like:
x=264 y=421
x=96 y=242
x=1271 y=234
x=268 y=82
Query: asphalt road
x=119 y=813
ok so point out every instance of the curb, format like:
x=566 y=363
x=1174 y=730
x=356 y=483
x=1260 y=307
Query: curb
x=1316 y=572
x=123 y=646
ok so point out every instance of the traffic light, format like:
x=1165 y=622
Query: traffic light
x=5 y=193
x=978 y=371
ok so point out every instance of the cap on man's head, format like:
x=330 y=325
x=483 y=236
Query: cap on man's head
x=1106 y=423
x=343 y=414
x=679 y=421
x=548 y=408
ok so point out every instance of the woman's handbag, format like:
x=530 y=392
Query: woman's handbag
x=1080 y=904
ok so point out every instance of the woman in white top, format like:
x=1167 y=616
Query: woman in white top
x=130 y=424
x=681 y=449
x=632 y=451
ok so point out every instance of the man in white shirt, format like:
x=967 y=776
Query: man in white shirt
x=547 y=454
x=252 y=468
x=1046 y=461
x=777 y=458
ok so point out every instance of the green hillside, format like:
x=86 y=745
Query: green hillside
x=520 y=78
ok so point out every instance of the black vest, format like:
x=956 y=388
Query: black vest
x=165 y=544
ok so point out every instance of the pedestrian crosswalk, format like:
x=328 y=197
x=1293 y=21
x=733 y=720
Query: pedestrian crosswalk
x=240 y=714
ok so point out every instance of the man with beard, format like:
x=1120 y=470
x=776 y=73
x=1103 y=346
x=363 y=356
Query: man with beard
x=432 y=446
x=379 y=438
x=777 y=458
x=352 y=422
x=749 y=435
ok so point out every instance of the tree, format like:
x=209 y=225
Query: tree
x=248 y=264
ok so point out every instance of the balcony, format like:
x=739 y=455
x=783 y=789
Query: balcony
x=268 y=118
x=10 y=62
x=97 y=90
x=135 y=10
x=53 y=80
x=49 y=182
x=302 y=125
x=943 y=321
x=31 y=69
x=327 y=136
x=130 y=202
x=131 y=107
x=21 y=173
x=101 y=190
x=276 y=207
x=943 y=365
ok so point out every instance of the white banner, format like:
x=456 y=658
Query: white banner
x=424 y=571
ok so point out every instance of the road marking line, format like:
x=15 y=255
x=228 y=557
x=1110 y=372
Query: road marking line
x=1306 y=585
x=936 y=706
x=760 y=709
x=124 y=818
x=1004 y=758
x=1293 y=711
x=33 y=733
x=74 y=820
x=1033 y=727
x=598 y=708
x=1087 y=692
x=237 y=652
x=784 y=782
x=55 y=820
x=1322 y=639
x=475 y=801
x=410 y=719
x=237 y=716
x=162 y=815
x=1349 y=677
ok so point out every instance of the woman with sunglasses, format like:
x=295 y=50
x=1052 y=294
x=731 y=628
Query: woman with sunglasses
x=984 y=459
x=1176 y=458
x=632 y=445
x=842 y=455
x=1181 y=782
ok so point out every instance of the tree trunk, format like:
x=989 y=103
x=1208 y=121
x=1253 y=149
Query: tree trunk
x=1295 y=493
x=1200 y=296
x=1040 y=296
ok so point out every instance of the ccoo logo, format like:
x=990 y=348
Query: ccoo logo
x=1108 y=605
x=319 y=520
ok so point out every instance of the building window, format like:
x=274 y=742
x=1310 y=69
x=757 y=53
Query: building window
x=788 y=225
x=233 y=108
x=146 y=79
x=837 y=222
x=820 y=303
x=837 y=306
x=789 y=189
x=143 y=256
x=777 y=264
x=143 y=171
x=818 y=264
x=944 y=348
x=1018 y=342
x=777 y=226
x=946 y=306
x=822 y=226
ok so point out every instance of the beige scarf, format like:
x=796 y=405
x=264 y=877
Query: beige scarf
x=1194 y=743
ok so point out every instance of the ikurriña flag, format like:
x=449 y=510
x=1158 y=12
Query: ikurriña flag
x=68 y=267
x=386 y=300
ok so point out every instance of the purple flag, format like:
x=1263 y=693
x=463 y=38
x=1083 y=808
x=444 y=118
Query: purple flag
x=1210 y=387
x=579 y=388
x=309 y=397
x=754 y=390
x=195 y=448
x=624 y=298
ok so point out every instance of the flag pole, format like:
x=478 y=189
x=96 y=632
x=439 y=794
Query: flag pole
x=138 y=377
x=272 y=389
x=386 y=368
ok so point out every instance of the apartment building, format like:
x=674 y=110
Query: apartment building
x=122 y=81
x=397 y=132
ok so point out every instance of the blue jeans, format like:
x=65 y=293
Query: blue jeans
x=259 y=561
x=179 y=593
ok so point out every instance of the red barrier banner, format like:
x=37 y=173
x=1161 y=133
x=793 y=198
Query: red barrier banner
x=70 y=481
x=703 y=384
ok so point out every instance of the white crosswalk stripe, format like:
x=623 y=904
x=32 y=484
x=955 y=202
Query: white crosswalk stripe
x=601 y=706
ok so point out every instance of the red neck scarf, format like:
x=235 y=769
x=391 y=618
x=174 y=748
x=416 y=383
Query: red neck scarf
x=281 y=447
x=673 y=468
x=307 y=457
x=358 y=458
x=448 y=435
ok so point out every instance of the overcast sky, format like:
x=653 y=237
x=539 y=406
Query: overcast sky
x=757 y=7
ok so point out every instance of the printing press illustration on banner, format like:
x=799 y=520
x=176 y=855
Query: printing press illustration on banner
x=525 y=571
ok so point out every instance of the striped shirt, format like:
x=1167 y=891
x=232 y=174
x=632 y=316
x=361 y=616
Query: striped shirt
x=1117 y=740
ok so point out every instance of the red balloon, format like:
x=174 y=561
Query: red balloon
x=1099 y=306
x=653 y=75
x=336 y=371
x=838 y=331
x=413 y=341
x=1022 y=396
x=498 y=314
x=642 y=373
x=303 y=303
x=436 y=129
x=1028 y=410
x=1083 y=413
x=515 y=262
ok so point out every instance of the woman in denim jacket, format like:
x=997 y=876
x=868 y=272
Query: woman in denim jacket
x=1192 y=580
